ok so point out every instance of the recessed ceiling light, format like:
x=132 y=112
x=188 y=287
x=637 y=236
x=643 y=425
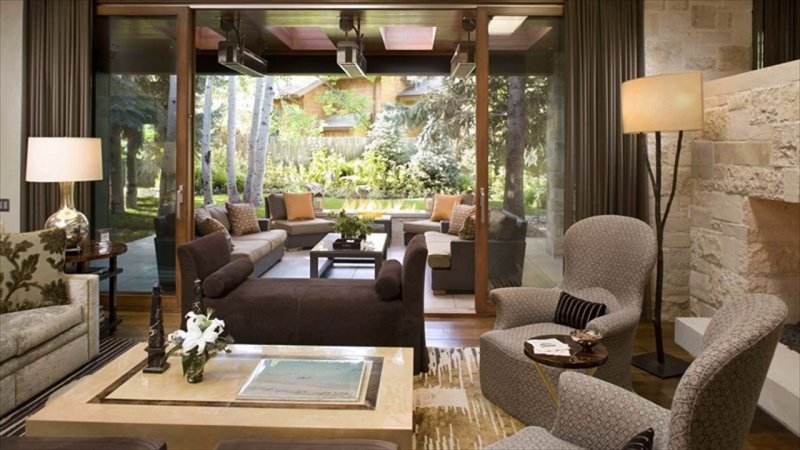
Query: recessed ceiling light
x=505 y=25
x=408 y=38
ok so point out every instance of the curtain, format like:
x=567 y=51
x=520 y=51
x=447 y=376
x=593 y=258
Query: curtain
x=59 y=91
x=604 y=169
x=776 y=38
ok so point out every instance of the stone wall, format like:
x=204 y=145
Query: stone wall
x=712 y=36
x=745 y=209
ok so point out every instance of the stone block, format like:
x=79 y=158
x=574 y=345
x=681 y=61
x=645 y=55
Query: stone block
x=700 y=307
x=698 y=285
x=743 y=153
x=785 y=144
x=676 y=259
x=677 y=223
x=715 y=126
x=735 y=58
x=704 y=16
x=661 y=52
x=651 y=23
x=702 y=159
x=674 y=306
x=730 y=253
x=677 y=4
x=791 y=185
x=653 y=5
x=675 y=20
x=701 y=62
x=733 y=230
x=729 y=208
x=716 y=37
x=701 y=217
x=723 y=20
x=676 y=240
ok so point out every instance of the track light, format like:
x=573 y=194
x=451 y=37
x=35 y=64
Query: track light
x=350 y=54
x=462 y=64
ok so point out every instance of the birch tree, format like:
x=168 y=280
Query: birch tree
x=253 y=140
x=208 y=191
x=260 y=154
x=230 y=159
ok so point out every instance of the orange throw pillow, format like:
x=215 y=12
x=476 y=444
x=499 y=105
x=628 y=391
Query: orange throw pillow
x=299 y=206
x=443 y=206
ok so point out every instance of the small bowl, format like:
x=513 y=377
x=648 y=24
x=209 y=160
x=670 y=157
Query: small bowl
x=586 y=338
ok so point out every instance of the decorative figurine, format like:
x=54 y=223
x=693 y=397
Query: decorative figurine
x=156 y=347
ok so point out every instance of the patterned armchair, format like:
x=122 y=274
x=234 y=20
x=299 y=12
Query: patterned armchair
x=713 y=405
x=607 y=259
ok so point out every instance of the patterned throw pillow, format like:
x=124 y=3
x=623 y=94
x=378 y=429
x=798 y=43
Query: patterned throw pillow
x=212 y=225
x=32 y=270
x=243 y=218
x=457 y=218
x=575 y=312
x=468 y=230
x=642 y=441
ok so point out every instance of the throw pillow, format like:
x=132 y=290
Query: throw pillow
x=460 y=214
x=389 y=283
x=228 y=277
x=575 y=312
x=468 y=230
x=212 y=225
x=243 y=218
x=443 y=206
x=277 y=207
x=33 y=270
x=299 y=206
x=220 y=214
x=642 y=441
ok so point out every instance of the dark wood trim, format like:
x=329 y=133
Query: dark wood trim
x=482 y=305
x=334 y=4
x=124 y=9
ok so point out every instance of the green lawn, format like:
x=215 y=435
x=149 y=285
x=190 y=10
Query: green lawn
x=350 y=204
x=136 y=223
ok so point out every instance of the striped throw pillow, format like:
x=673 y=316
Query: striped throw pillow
x=575 y=312
x=642 y=441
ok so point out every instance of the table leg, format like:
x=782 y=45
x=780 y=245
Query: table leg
x=547 y=383
x=378 y=264
x=112 y=296
x=314 y=266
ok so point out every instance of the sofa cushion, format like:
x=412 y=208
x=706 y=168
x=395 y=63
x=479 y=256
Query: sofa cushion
x=443 y=206
x=275 y=237
x=459 y=216
x=217 y=212
x=421 y=226
x=254 y=250
x=277 y=207
x=227 y=277
x=24 y=330
x=243 y=218
x=439 y=249
x=390 y=280
x=299 y=206
x=313 y=226
x=33 y=270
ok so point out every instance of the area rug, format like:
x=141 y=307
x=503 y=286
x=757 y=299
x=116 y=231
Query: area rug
x=449 y=410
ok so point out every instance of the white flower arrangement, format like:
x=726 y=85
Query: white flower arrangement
x=201 y=340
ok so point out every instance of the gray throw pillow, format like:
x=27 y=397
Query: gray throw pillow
x=277 y=207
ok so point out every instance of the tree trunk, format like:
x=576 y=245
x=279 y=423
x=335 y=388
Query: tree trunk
x=260 y=154
x=208 y=188
x=166 y=185
x=134 y=137
x=253 y=141
x=230 y=160
x=514 y=198
x=115 y=172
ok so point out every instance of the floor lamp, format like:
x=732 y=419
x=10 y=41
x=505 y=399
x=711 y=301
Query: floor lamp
x=663 y=103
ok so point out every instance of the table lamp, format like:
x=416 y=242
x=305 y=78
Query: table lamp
x=658 y=104
x=65 y=160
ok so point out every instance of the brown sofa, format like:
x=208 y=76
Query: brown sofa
x=314 y=311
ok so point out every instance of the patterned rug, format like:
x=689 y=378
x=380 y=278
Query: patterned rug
x=449 y=410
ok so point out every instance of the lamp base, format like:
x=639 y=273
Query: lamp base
x=73 y=222
x=672 y=367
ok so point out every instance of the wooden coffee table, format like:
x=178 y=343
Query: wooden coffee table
x=373 y=251
x=579 y=359
x=120 y=400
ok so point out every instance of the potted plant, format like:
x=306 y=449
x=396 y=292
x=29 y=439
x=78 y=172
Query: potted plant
x=352 y=228
x=199 y=343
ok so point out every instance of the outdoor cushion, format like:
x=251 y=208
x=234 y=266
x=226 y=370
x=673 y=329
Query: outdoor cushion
x=313 y=226
x=275 y=237
x=390 y=280
x=217 y=212
x=299 y=206
x=243 y=218
x=439 y=249
x=24 y=330
x=277 y=207
x=501 y=226
x=227 y=277
x=254 y=250
x=458 y=217
x=443 y=206
x=421 y=226
x=467 y=232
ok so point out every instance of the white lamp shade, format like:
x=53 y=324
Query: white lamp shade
x=56 y=159
x=663 y=103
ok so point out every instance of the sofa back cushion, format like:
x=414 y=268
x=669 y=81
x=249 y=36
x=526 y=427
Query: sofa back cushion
x=299 y=206
x=32 y=270
x=467 y=232
x=243 y=218
x=277 y=207
x=443 y=206
x=389 y=283
x=227 y=277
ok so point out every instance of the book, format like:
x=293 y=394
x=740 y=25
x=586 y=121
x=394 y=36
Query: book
x=306 y=380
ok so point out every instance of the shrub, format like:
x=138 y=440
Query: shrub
x=435 y=171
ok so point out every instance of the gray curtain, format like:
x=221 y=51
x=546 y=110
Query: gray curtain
x=776 y=32
x=59 y=90
x=603 y=167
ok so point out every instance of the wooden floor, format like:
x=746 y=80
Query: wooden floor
x=765 y=433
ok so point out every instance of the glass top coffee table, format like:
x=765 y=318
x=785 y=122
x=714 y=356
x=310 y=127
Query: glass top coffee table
x=120 y=400
x=373 y=251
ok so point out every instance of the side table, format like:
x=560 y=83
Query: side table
x=579 y=358
x=92 y=251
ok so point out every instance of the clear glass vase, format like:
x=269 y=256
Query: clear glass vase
x=193 y=365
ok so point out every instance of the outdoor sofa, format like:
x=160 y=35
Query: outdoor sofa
x=422 y=226
x=300 y=233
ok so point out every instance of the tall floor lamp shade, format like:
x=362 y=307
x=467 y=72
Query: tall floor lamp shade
x=65 y=160
x=658 y=104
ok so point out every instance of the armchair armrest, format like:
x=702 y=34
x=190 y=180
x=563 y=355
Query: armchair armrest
x=84 y=290
x=445 y=226
x=519 y=306
x=264 y=224
x=618 y=322
x=624 y=414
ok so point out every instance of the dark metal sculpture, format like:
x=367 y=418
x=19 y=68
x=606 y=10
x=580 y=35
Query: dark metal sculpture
x=197 y=306
x=156 y=345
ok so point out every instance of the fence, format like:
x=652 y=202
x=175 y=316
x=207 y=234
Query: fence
x=301 y=150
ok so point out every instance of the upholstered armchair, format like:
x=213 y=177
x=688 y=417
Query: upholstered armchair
x=607 y=259
x=713 y=405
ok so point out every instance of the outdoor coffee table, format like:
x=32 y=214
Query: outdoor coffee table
x=373 y=251
x=579 y=359
x=120 y=400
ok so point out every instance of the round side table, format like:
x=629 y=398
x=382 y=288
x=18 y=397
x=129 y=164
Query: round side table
x=578 y=359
